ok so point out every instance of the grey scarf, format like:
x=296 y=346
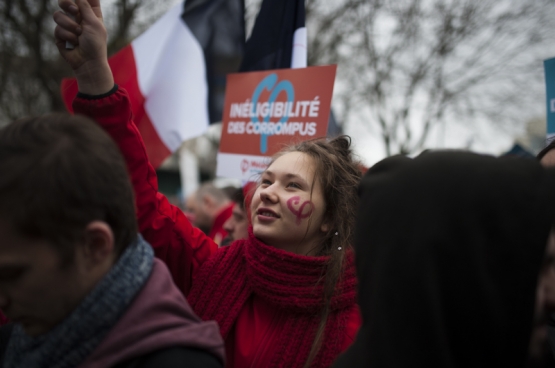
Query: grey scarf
x=70 y=342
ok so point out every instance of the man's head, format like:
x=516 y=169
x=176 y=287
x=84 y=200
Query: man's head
x=66 y=214
x=237 y=225
x=206 y=205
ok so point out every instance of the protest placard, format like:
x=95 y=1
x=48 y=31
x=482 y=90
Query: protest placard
x=265 y=111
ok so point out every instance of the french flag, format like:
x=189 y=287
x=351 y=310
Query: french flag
x=278 y=39
x=175 y=72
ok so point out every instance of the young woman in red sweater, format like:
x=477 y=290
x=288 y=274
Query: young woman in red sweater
x=284 y=297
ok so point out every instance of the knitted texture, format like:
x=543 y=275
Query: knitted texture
x=290 y=282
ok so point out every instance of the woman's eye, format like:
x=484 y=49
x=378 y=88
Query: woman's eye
x=265 y=182
x=294 y=185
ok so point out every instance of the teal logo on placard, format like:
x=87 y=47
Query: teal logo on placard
x=268 y=84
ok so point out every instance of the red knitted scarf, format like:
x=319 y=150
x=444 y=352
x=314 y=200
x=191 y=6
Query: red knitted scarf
x=291 y=282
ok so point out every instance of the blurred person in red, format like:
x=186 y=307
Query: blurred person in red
x=237 y=224
x=208 y=209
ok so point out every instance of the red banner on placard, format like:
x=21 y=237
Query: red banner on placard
x=265 y=111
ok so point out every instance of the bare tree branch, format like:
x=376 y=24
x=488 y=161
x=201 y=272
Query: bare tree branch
x=412 y=64
x=30 y=67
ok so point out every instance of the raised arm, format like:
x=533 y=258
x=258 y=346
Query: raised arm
x=180 y=245
x=89 y=56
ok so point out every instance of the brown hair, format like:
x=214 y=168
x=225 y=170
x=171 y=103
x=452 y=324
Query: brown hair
x=339 y=174
x=239 y=198
x=219 y=195
x=60 y=172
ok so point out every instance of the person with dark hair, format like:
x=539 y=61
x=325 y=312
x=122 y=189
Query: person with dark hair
x=238 y=224
x=230 y=191
x=76 y=279
x=453 y=250
x=283 y=297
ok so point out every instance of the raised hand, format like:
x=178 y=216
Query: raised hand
x=87 y=33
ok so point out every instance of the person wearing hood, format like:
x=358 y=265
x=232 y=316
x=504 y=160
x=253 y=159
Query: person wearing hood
x=453 y=252
x=79 y=284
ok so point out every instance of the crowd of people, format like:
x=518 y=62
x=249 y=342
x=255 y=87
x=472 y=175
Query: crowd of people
x=444 y=260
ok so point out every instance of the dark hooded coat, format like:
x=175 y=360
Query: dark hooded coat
x=449 y=246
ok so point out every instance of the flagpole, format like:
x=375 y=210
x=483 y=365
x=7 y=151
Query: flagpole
x=188 y=170
x=299 y=52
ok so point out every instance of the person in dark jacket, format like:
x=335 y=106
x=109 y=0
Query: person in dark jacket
x=452 y=251
x=547 y=158
x=78 y=283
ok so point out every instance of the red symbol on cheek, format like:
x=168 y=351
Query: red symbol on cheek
x=299 y=211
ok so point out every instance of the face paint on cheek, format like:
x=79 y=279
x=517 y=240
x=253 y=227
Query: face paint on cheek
x=299 y=211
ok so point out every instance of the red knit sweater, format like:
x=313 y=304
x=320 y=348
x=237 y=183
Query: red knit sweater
x=287 y=282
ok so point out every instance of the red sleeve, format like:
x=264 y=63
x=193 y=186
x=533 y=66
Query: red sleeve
x=175 y=241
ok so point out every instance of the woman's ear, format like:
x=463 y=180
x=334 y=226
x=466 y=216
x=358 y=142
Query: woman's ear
x=326 y=222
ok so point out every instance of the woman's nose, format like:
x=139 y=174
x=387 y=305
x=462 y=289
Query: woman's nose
x=268 y=194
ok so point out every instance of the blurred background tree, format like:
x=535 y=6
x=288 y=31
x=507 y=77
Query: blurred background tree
x=30 y=67
x=407 y=68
